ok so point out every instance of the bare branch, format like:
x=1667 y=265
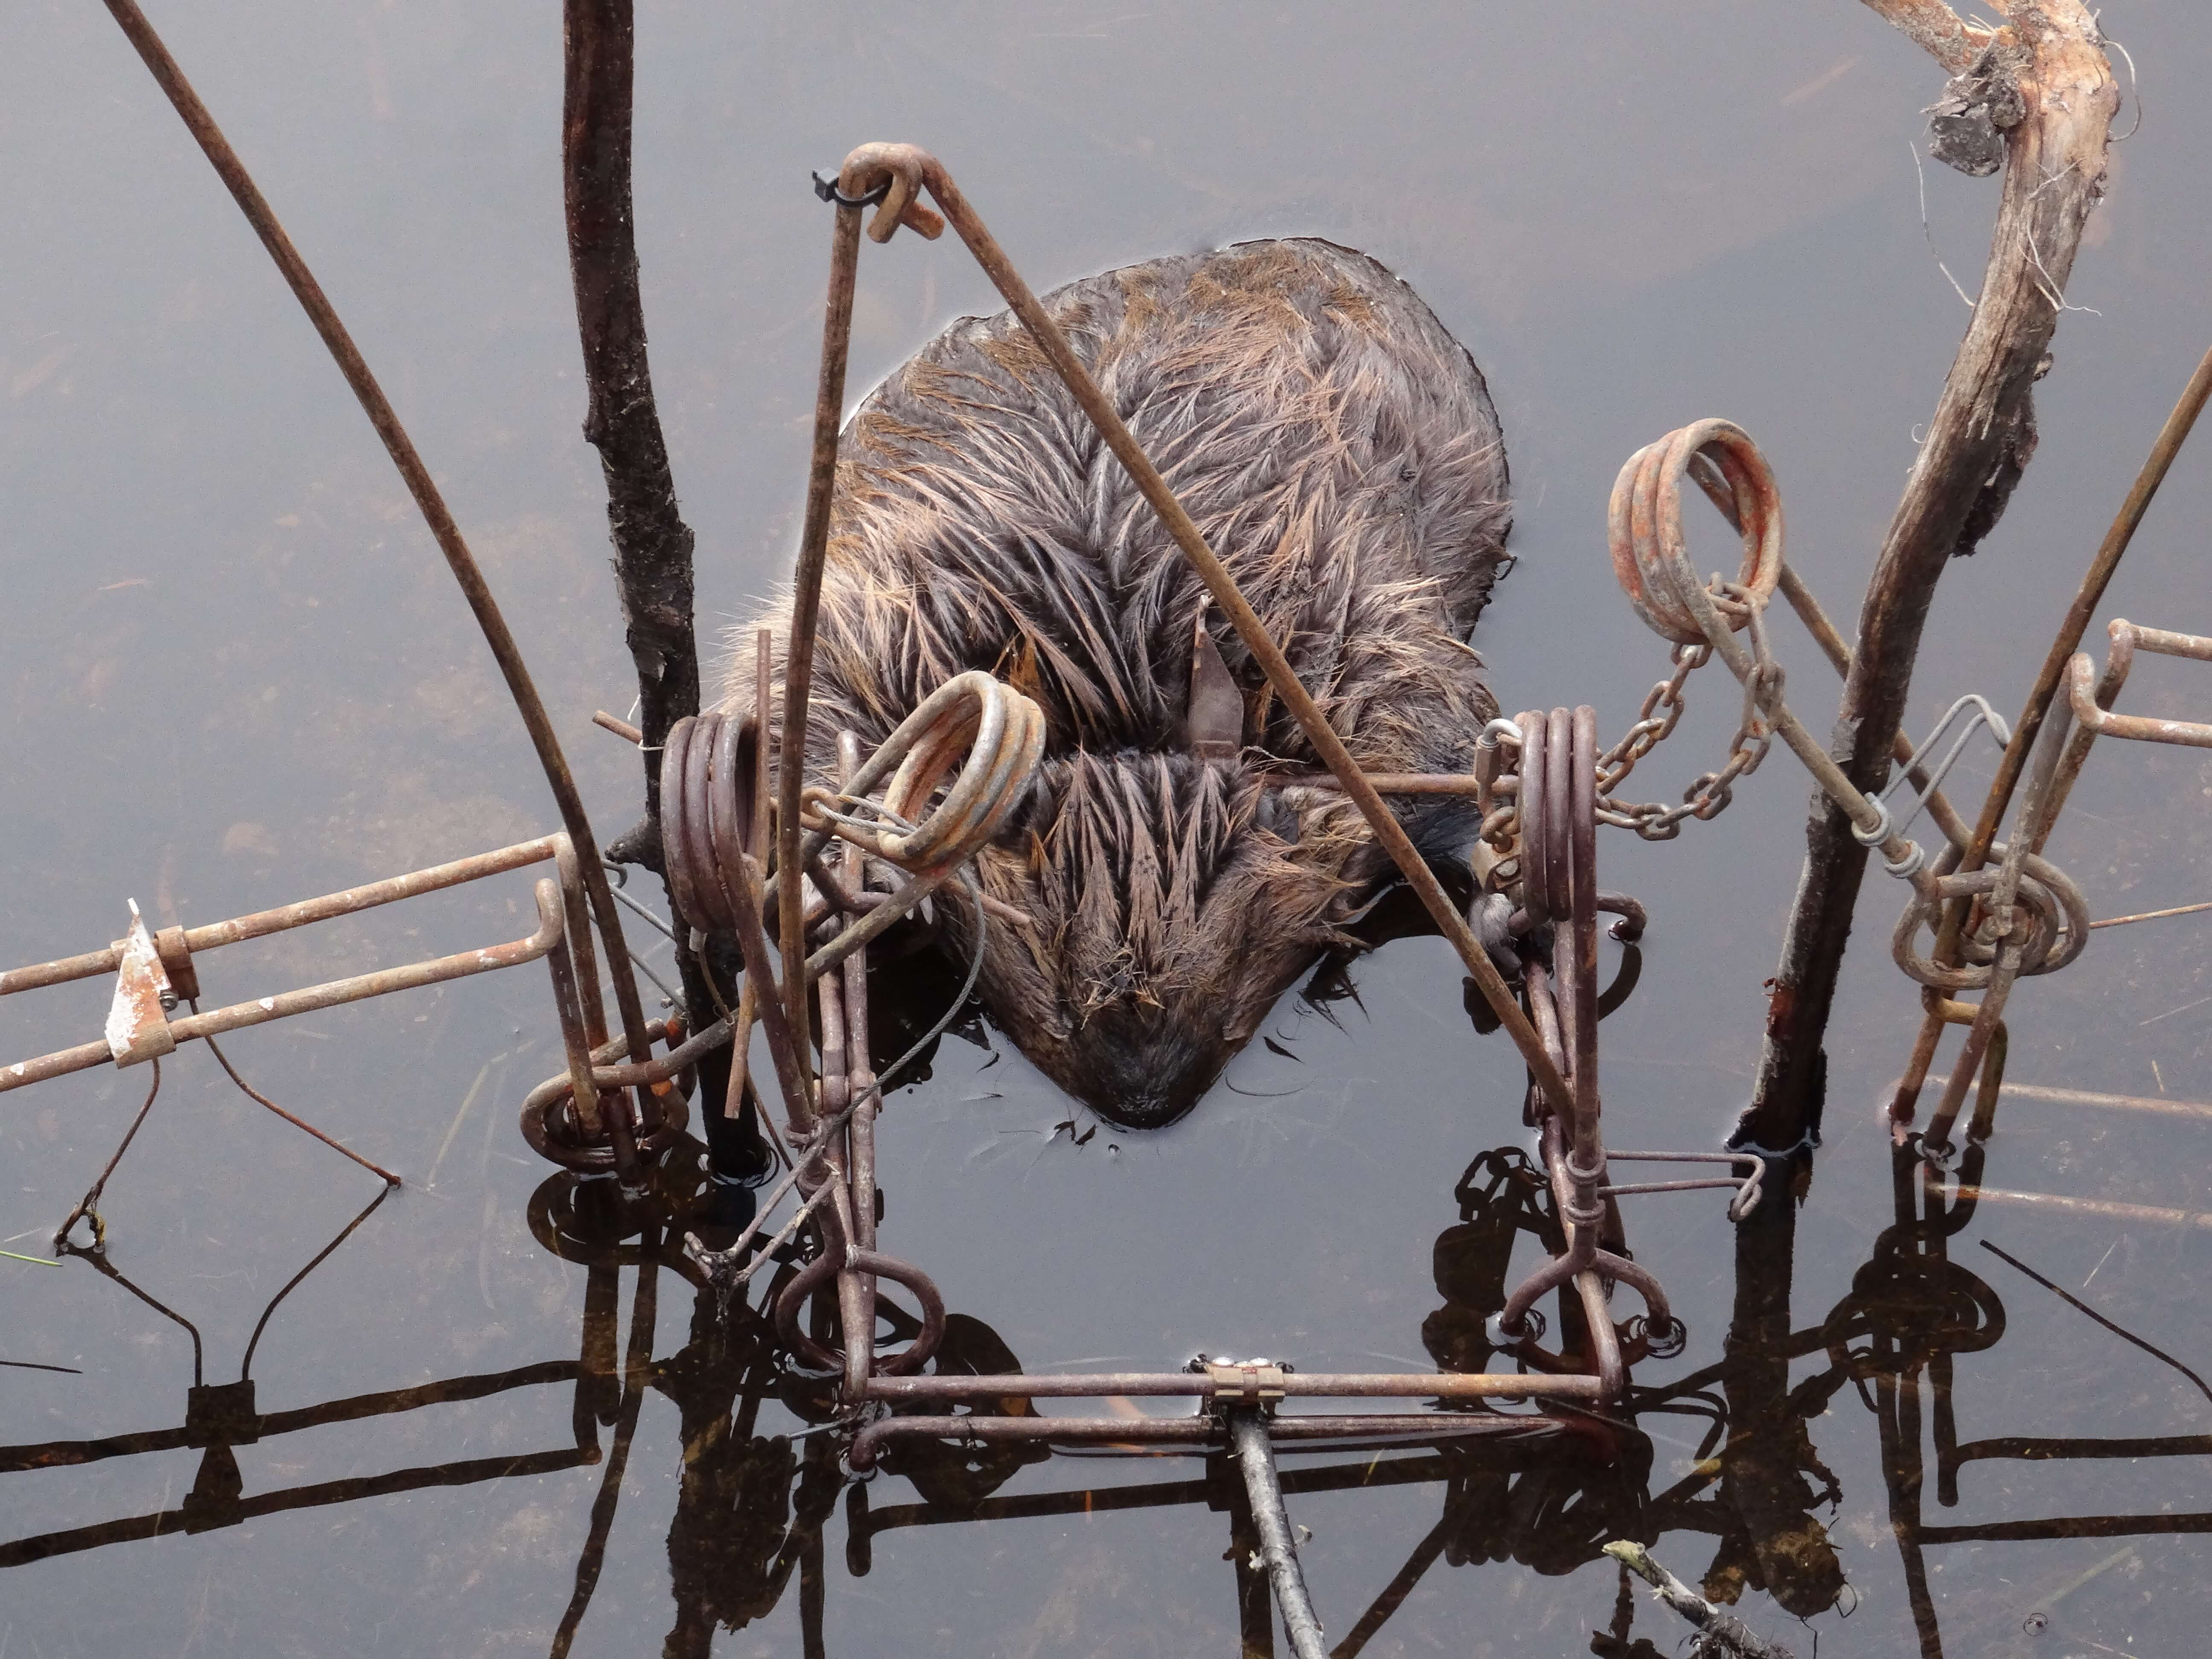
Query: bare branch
x=1936 y=29
x=1981 y=437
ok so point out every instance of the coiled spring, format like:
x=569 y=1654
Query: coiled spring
x=993 y=734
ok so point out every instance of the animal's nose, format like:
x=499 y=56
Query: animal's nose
x=1140 y=1066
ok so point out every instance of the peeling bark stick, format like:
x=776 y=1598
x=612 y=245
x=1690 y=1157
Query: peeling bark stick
x=2045 y=67
x=1721 y=1632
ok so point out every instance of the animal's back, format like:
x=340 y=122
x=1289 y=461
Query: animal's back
x=1335 y=445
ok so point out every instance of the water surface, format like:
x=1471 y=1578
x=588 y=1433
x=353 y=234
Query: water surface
x=239 y=676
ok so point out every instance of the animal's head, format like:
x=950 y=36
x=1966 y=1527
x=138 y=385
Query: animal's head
x=1172 y=900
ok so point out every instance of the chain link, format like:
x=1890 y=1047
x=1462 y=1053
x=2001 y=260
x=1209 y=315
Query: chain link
x=1663 y=706
x=1710 y=794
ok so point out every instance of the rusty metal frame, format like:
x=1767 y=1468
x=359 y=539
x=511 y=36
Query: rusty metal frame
x=720 y=883
x=179 y=946
x=498 y=637
x=155 y=971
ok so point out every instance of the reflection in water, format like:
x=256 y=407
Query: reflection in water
x=219 y=1418
x=752 y=1508
x=1912 y=1311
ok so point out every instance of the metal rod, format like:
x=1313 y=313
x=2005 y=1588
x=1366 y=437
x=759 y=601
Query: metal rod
x=88 y=1204
x=2058 y=1204
x=907 y=166
x=285 y=1004
x=799 y=643
x=474 y=588
x=285 y=916
x=2086 y=599
x=1255 y=1460
x=389 y=1179
x=1191 y=1385
x=1838 y=654
x=2152 y=915
x=2087 y=596
x=2155 y=1103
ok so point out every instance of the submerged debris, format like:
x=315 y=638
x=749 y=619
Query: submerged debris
x=1719 y=1632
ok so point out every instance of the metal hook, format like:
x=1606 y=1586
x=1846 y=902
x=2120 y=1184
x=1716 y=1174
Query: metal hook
x=1885 y=803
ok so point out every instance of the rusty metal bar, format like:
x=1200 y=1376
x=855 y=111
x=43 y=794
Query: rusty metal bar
x=285 y=916
x=2086 y=599
x=1197 y=1385
x=2198 y=1110
x=1838 y=654
x=806 y=596
x=906 y=169
x=358 y=988
x=2091 y=702
x=474 y=588
x=2087 y=596
x=574 y=1041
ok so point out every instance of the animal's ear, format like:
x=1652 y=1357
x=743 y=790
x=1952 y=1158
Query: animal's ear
x=1213 y=722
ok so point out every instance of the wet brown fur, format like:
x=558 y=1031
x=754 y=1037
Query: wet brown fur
x=1339 y=451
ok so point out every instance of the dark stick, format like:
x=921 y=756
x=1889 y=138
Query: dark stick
x=2079 y=1305
x=653 y=544
x=1981 y=437
x=432 y=504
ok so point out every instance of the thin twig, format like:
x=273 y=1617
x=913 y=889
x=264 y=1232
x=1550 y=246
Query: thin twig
x=1926 y=235
x=2152 y=916
x=2077 y=1304
x=1722 y=1632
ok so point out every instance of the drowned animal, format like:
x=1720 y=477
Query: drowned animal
x=1339 y=449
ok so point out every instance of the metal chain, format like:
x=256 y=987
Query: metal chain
x=1710 y=795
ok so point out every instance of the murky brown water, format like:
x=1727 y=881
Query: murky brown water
x=239 y=675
